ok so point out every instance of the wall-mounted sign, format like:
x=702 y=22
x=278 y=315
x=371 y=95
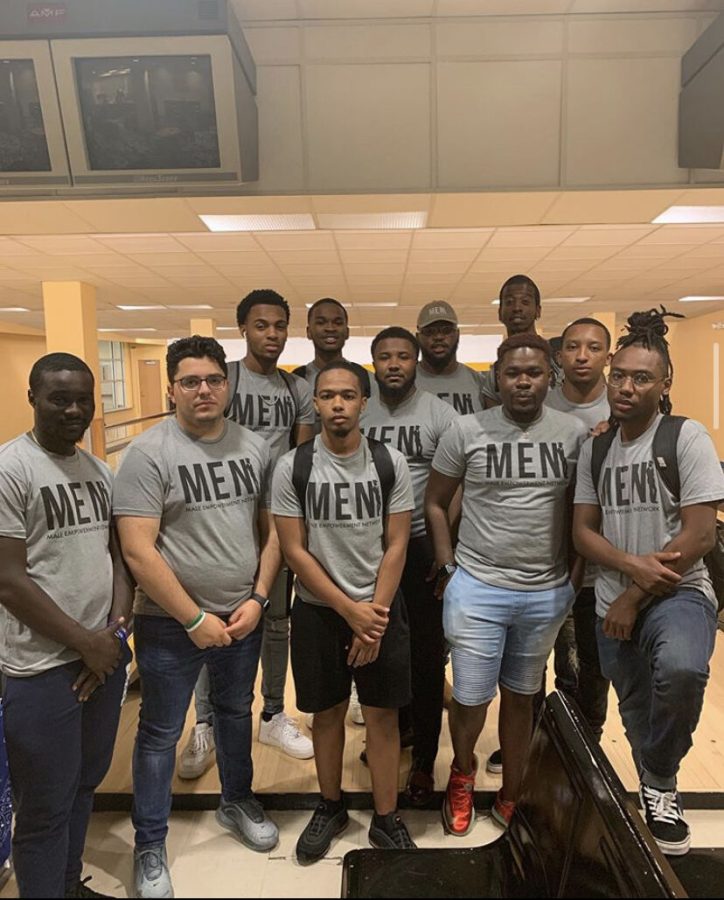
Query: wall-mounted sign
x=46 y=12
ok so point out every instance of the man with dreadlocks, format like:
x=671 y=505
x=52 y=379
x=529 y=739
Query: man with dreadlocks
x=654 y=599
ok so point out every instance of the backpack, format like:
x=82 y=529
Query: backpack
x=302 y=470
x=667 y=465
x=291 y=387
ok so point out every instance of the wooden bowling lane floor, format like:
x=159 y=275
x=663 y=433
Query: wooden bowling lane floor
x=702 y=771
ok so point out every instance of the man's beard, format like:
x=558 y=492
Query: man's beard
x=439 y=362
x=396 y=393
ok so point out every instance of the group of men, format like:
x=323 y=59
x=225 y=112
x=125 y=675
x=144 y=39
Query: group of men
x=430 y=509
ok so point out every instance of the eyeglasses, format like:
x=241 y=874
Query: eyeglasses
x=194 y=382
x=432 y=330
x=640 y=379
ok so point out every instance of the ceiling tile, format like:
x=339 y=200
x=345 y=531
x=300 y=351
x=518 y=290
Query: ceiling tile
x=142 y=244
x=296 y=240
x=441 y=238
x=217 y=243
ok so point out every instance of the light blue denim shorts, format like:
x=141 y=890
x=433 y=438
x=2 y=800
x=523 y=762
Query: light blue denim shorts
x=498 y=635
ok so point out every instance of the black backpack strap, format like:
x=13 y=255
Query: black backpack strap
x=665 y=458
x=234 y=370
x=385 y=470
x=599 y=451
x=301 y=471
x=291 y=383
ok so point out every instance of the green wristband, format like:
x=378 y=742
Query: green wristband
x=195 y=621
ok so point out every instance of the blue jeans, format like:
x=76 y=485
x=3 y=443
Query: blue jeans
x=59 y=750
x=169 y=664
x=498 y=635
x=659 y=677
x=274 y=655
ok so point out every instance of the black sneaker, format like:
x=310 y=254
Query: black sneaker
x=328 y=820
x=82 y=890
x=494 y=763
x=390 y=833
x=664 y=816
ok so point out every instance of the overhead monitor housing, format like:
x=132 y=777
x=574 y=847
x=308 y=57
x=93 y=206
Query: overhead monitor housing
x=173 y=105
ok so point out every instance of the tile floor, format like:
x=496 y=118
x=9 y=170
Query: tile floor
x=207 y=862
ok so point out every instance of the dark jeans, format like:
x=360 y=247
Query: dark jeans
x=169 y=664
x=660 y=676
x=59 y=750
x=427 y=646
x=576 y=664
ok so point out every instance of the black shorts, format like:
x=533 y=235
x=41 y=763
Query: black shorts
x=320 y=642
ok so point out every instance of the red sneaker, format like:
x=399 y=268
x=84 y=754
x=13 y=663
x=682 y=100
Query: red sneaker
x=502 y=811
x=458 y=810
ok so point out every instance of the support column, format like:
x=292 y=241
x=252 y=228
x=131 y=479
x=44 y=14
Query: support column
x=206 y=327
x=71 y=327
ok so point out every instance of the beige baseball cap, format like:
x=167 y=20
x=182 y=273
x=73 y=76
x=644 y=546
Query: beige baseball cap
x=437 y=311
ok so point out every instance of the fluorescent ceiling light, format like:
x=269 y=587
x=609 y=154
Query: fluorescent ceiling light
x=699 y=298
x=14 y=309
x=374 y=305
x=495 y=302
x=690 y=215
x=388 y=221
x=286 y=222
x=189 y=306
x=134 y=308
x=127 y=329
x=226 y=328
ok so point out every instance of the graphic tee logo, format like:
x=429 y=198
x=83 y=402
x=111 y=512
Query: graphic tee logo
x=218 y=480
x=262 y=411
x=69 y=505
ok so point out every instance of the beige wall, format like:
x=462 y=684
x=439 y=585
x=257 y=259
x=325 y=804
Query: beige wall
x=693 y=392
x=19 y=352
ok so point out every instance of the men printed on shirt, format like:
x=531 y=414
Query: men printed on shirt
x=462 y=389
x=61 y=507
x=414 y=427
x=344 y=514
x=207 y=494
x=267 y=405
x=637 y=510
x=514 y=495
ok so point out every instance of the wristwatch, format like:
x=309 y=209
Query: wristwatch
x=446 y=571
x=261 y=600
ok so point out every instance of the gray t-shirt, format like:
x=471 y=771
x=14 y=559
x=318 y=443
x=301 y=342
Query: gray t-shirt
x=207 y=495
x=638 y=513
x=270 y=405
x=462 y=389
x=61 y=507
x=513 y=530
x=345 y=528
x=415 y=428
x=591 y=414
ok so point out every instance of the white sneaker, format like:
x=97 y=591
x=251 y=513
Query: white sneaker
x=198 y=754
x=355 y=710
x=283 y=732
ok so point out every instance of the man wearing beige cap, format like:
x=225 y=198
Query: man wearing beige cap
x=438 y=371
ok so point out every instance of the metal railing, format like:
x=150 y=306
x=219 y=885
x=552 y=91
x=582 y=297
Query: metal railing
x=120 y=434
